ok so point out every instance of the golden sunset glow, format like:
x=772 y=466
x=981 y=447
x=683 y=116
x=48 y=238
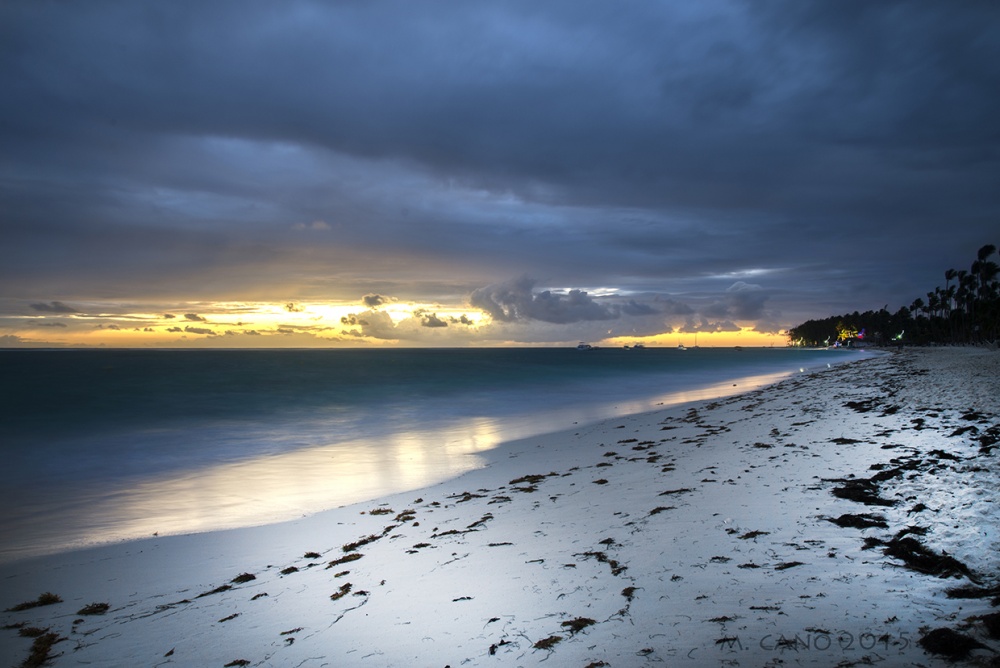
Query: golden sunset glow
x=321 y=324
x=245 y=324
x=747 y=336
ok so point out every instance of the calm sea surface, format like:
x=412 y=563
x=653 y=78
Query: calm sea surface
x=100 y=446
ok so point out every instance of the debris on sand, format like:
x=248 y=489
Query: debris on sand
x=48 y=598
x=949 y=643
x=94 y=609
x=918 y=557
x=861 y=490
x=860 y=521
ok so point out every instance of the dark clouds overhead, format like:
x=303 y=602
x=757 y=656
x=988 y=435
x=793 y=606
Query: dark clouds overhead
x=837 y=155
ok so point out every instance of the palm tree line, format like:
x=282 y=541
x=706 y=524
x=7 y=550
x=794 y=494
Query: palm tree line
x=965 y=311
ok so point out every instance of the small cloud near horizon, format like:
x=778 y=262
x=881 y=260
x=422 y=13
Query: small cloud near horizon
x=53 y=307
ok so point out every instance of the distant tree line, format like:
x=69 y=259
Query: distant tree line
x=965 y=311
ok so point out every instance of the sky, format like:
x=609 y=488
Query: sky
x=258 y=174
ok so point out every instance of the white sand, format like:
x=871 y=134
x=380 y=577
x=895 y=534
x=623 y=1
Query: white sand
x=694 y=536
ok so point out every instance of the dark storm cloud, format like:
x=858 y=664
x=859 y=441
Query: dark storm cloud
x=54 y=307
x=673 y=307
x=516 y=300
x=742 y=301
x=650 y=146
x=634 y=308
x=704 y=325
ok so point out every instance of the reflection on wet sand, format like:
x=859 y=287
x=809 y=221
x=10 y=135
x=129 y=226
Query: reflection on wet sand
x=285 y=486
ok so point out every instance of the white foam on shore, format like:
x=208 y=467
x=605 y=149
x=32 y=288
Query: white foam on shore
x=696 y=535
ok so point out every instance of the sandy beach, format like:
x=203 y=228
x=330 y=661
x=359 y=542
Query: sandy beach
x=845 y=517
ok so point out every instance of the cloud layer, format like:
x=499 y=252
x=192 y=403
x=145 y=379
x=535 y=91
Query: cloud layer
x=757 y=162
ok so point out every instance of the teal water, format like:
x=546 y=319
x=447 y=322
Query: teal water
x=118 y=444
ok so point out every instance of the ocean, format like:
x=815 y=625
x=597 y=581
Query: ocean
x=107 y=445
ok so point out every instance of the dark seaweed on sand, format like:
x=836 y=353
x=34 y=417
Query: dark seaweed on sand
x=41 y=650
x=547 y=643
x=578 y=624
x=788 y=564
x=48 y=598
x=863 y=406
x=860 y=521
x=753 y=534
x=345 y=589
x=94 y=609
x=616 y=568
x=217 y=590
x=974 y=592
x=361 y=542
x=345 y=559
x=949 y=644
x=862 y=490
x=991 y=624
x=916 y=556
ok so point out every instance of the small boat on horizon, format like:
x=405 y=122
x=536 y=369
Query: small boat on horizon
x=584 y=346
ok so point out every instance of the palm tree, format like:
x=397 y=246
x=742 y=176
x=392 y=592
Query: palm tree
x=966 y=295
x=933 y=302
x=949 y=276
x=949 y=297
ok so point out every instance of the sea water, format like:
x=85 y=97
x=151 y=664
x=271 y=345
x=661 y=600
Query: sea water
x=106 y=445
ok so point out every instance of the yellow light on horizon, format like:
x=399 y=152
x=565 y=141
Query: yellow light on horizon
x=747 y=337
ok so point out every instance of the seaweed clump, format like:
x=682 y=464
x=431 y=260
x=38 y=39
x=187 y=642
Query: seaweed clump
x=860 y=521
x=949 y=644
x=918 y=557
x=48 y=598
x=94 y=609
x=578 y=624
x=41 y=650
x=547 y=643
x=862 y=490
